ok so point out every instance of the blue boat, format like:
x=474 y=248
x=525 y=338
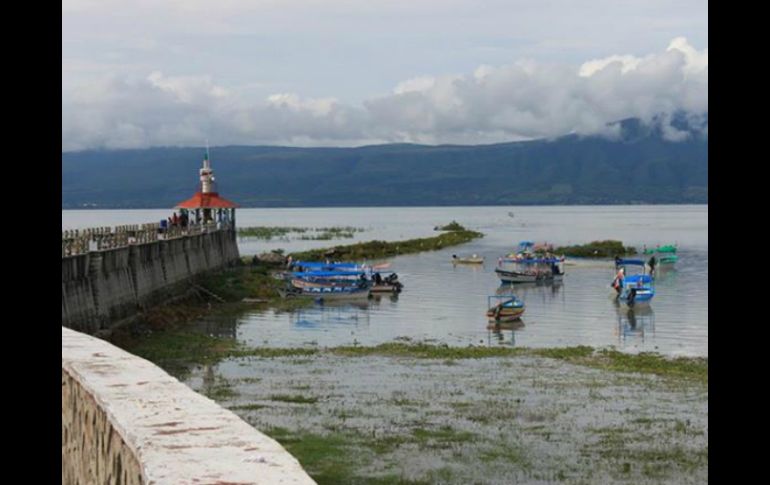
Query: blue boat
x=344 y=278
x=323 y=266
x=633 y=289
x=327 y=292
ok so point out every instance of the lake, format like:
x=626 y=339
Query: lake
x=446 y=304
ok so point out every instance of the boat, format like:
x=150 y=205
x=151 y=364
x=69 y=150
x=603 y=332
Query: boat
x=633 y=290
x=529 y=270
x=346 y=279
x=305 y=266
x=388 y=284
x=666 y=255
x=510 y=308
x=475 y=259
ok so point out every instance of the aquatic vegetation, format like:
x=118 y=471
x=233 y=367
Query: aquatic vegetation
x=513 y=424
x=326 y=458
x=248 y=407
x=267 y=233
x=235 y=284
x=297 y=399
x=220 y=390
x=328 y=233
x=308 y=233
x=597 y=249
x=384 y=249
x=452 y=226
x=181 y=345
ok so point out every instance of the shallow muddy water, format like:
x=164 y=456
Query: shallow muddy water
x=489 y=420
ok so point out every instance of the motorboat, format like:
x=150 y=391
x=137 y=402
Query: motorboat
x=633 y=289
x=508 y=308
x=474 y=259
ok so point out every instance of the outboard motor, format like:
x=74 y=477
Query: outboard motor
x=393 y=280
x=631 y=297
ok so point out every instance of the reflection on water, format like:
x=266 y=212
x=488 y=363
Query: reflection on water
x=447 y=303
x=354 y=315
x=503 y=333
x=635 y=324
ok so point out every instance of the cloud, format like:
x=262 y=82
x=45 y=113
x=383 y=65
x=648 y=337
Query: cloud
x=523 y=100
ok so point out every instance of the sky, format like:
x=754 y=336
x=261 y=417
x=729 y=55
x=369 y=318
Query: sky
x=142 y=73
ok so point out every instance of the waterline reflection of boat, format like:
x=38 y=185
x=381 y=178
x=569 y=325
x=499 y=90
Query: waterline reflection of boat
x=497 y=333
x=331 y=314
x=635 y=323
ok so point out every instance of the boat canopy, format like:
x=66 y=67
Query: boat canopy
x=319 y=264
x=320 y=273
x=301 y=274
x=630 y=262
x=526 y=244
x=533 y=260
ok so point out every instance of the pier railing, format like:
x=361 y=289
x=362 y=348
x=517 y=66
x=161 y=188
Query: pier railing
x=80 y=241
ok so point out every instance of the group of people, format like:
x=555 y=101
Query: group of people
x=175 y=221
x=179 y=221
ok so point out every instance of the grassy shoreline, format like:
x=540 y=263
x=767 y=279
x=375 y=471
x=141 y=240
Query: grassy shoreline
x=181 y=345
x=384 y=249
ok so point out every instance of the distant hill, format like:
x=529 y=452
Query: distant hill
x=641 y=167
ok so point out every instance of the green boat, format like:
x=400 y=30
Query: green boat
x=665 y=254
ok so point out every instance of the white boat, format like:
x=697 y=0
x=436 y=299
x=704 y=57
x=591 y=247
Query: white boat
x=475 y=259
x=529 y=270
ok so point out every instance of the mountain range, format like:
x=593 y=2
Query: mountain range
x=642 y=165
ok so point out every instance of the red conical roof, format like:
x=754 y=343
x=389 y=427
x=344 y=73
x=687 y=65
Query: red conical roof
x=211 y=200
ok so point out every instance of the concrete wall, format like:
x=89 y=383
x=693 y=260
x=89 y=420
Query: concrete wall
x=125 y=421
x=101 y=288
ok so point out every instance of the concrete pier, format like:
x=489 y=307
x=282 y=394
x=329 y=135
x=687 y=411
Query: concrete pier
x=108 y=276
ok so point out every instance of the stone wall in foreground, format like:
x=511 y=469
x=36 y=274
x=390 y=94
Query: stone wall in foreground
x=126 y=421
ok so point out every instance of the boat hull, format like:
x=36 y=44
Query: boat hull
x=507 y=276
x=642 y=299
x=385 y=288
x=327 y=293
x=515 y=277
x=506 y=311
x=506 y=315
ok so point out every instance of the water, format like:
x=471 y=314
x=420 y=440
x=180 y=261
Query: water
x=446 y=304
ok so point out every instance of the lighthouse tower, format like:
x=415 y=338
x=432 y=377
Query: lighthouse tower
x=206 y=206
x=207 y=175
